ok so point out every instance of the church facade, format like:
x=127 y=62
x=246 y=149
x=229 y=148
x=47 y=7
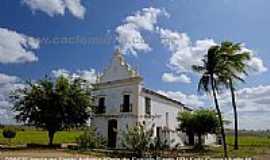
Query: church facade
x=122 y=102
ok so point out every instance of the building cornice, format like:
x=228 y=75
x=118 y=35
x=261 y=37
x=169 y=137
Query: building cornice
x=127 y=116
x=117 y=83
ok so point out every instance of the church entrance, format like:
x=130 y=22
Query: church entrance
x=112 y=133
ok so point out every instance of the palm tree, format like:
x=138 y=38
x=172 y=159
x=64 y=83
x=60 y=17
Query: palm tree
x=209 y=82
x=233 y=65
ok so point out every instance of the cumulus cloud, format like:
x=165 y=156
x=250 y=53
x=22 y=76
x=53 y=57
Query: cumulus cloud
x=256 y=64
x=253 y=120
x=129 y=35
x=76 y=8
x=191 y=100
x=60 y=72
x=186 y=53
x=172 y=78
x=254 y=99
x=57 y=7
x=7 y=85
x=16 y=47
x=252 y=104
x=89 y=75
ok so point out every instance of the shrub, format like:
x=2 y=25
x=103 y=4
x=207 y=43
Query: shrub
x=161 y=144
x=91 y=140
x=137 y=139
x=9 y=133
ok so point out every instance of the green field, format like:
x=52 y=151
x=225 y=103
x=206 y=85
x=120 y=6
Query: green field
x=41 y=137
x=256 y=141
x=249 y=145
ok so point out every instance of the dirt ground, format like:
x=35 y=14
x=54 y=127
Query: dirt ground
x=263 y=157
x=29 y=154
x=50 y=154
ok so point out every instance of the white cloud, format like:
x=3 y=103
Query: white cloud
x=146 y=18
x=16 y=47
x=57 y=7
x=252 y=105
x=51 y=7
x=75 y=8
x=185 y=53
x=129 y=35
x=255 y=99
x=131 y=40
x=7 y=85
x=4 y=79
x=171 y=78
x=192 y=101
x=256 y=65
x=61 y=72
x=250 y=120
x=89 y=75
x=253 y=120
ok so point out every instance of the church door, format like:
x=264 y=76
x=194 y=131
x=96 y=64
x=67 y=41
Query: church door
x=112 y=133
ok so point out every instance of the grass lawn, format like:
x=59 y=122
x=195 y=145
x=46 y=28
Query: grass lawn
x=252 y=141
x=249 y=146
x=40 y=137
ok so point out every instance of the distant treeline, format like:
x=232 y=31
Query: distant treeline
x=245 y=132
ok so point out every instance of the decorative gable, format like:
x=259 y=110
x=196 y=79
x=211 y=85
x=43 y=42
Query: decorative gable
x=118 y=69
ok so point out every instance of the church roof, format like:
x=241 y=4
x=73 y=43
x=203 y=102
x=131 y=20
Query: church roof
x=152 y=92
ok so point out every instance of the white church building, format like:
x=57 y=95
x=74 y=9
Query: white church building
x=123 y=102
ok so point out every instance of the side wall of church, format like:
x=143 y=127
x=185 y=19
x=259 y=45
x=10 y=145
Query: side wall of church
x=163 y=114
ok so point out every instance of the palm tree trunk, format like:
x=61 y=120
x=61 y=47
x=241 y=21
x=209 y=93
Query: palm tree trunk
x=220 y=117
x=235 y=116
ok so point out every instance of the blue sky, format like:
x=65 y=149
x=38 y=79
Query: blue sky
x=211 y=21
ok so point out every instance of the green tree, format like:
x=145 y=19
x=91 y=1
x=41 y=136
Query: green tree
x=53 y=105
x=234 y=64
x=137 y=139
x=209 y=83
x=199 y=122
x=205 y=121
x=186 y=124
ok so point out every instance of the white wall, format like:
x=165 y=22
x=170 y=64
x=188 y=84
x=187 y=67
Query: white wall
x=101 y=124
x=210 y=139
x=113 y=94
x=159 y=107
